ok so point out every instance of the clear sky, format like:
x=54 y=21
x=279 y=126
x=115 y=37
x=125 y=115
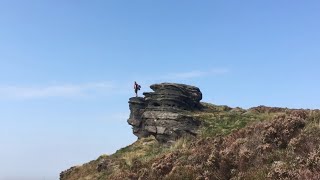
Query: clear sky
x=67 y=68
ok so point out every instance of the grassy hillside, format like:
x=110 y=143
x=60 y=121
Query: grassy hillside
x=233 y=143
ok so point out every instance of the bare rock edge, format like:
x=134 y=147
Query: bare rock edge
x=164 y=113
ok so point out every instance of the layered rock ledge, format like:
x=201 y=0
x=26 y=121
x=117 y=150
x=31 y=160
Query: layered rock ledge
x=164 y=113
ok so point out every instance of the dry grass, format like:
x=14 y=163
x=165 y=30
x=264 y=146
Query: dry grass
x=260 y=143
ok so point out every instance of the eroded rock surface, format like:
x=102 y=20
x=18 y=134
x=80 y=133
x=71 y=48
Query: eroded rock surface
x=164 y=113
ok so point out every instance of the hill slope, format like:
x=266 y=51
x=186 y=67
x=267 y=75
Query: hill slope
x=231 y=143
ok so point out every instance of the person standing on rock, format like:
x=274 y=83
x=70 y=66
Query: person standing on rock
x=136 y=87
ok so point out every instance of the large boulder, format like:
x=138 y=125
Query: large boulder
x=164 y=113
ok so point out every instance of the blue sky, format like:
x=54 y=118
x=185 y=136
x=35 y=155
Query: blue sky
x=67 y=68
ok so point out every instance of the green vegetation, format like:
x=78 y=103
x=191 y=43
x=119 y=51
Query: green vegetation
x=142 y=150
x=233 y=143
x=222 y=120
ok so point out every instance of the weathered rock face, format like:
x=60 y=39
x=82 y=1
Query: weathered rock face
x=164 y=112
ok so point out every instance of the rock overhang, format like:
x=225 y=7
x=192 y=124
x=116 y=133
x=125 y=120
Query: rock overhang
x=164 y=112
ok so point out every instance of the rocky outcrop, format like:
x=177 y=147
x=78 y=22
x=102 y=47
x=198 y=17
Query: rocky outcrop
x=259 y=143
x=164 y=113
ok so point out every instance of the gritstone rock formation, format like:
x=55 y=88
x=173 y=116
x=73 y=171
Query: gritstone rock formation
x=258 y=143
x=164 y=112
